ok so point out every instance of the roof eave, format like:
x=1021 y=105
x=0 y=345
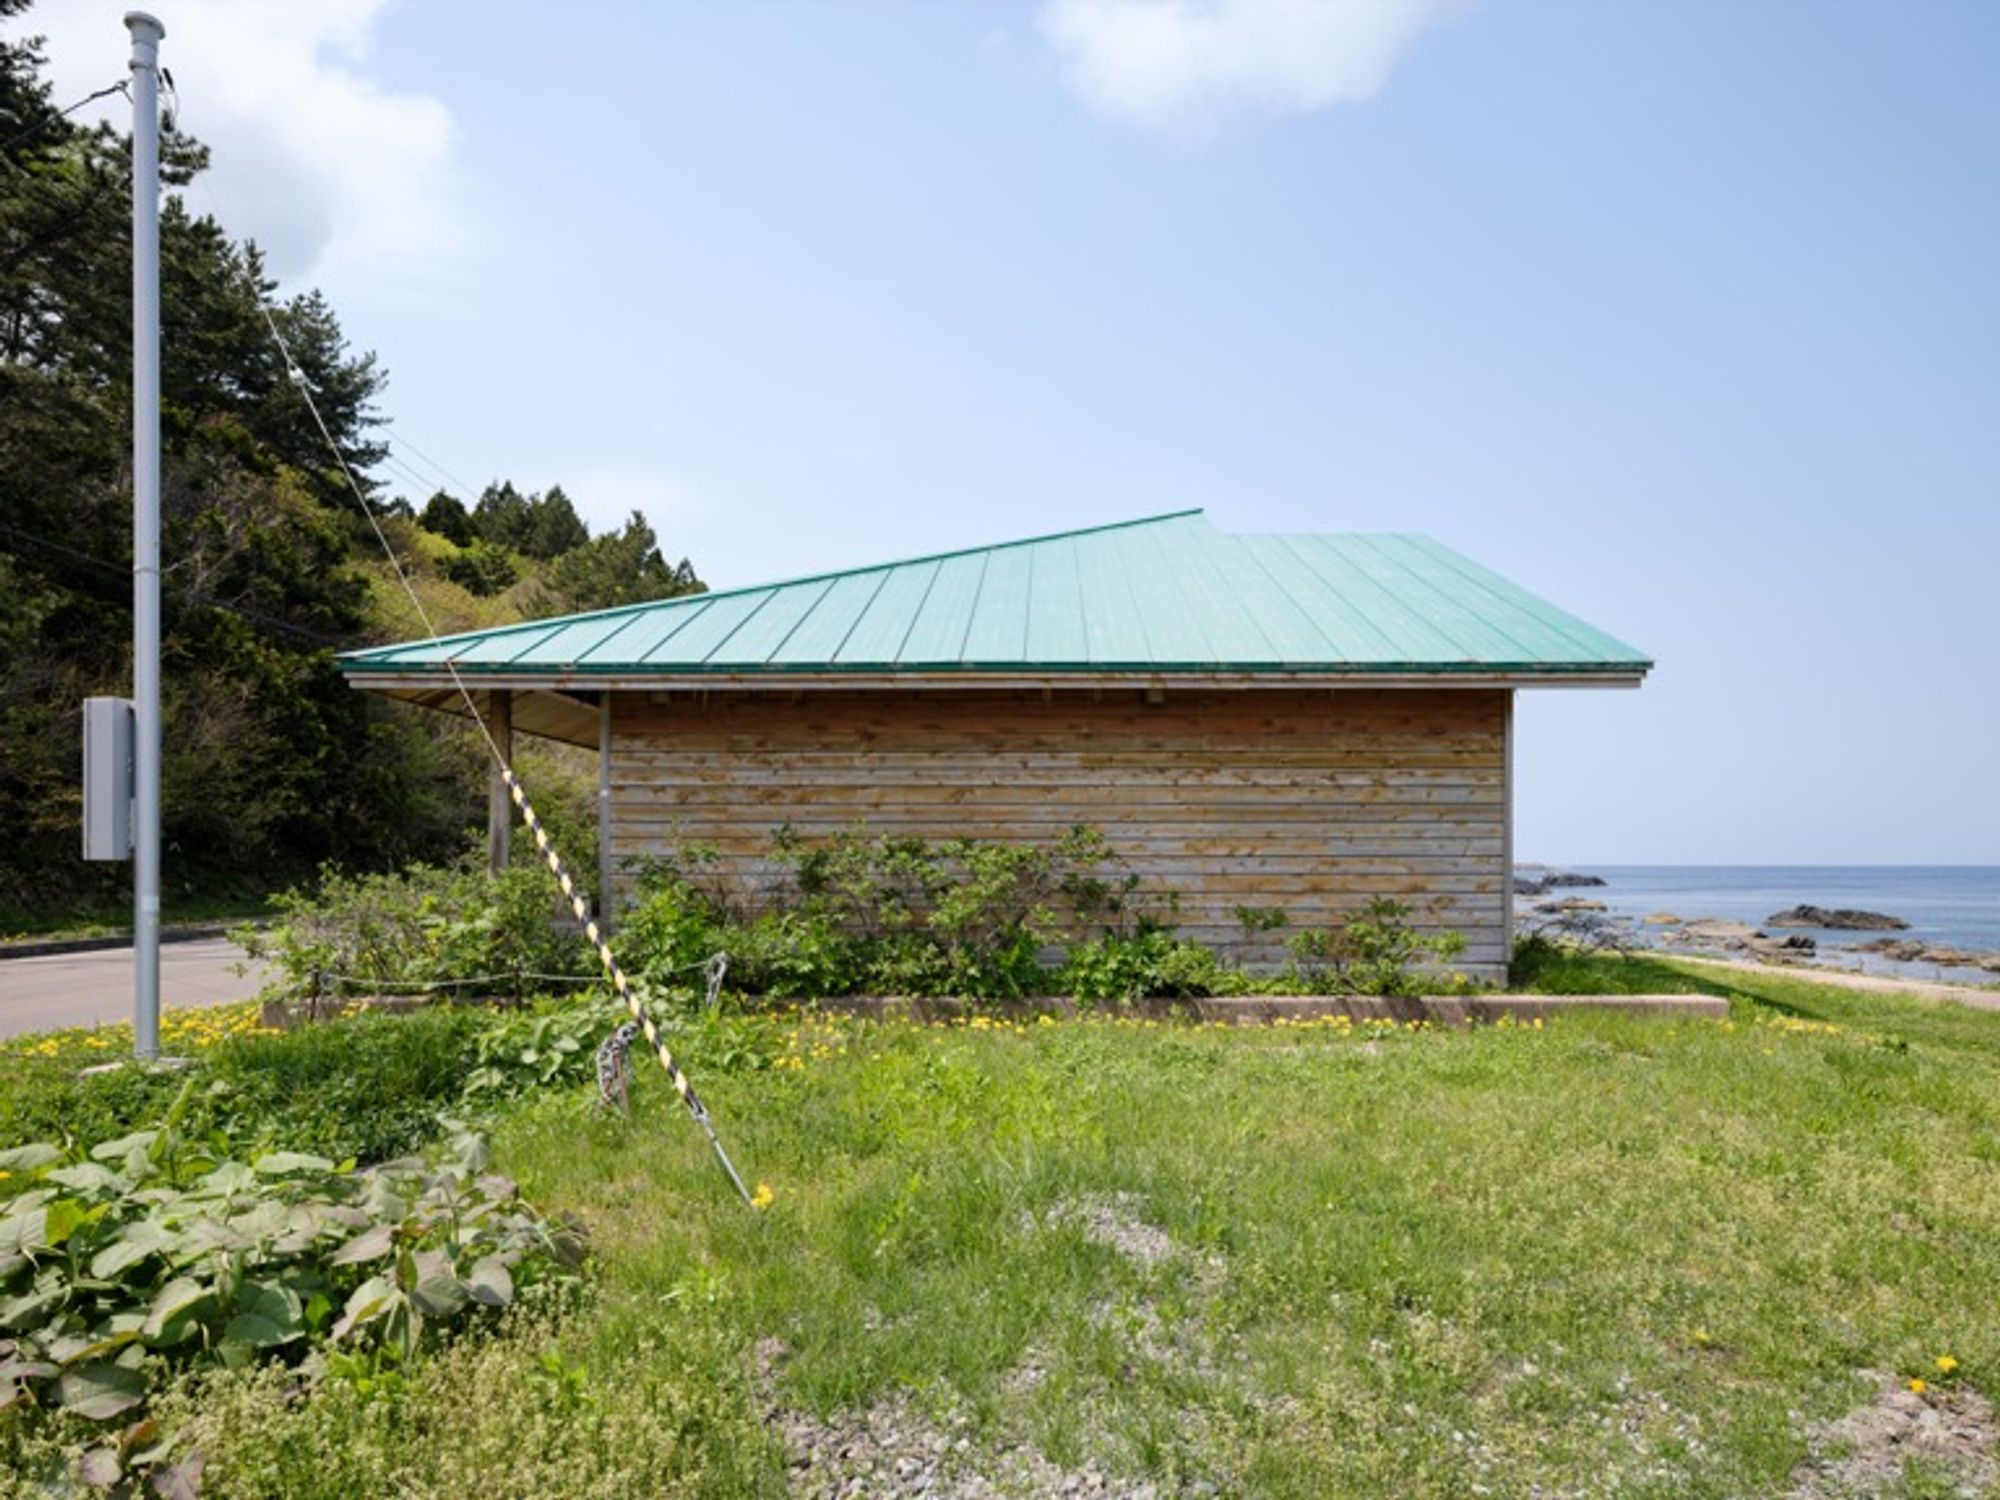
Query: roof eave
x=503 y=675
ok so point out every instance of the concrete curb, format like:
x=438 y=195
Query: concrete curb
x=1243 y=1010
x=1265 y=1010
x=43 y=948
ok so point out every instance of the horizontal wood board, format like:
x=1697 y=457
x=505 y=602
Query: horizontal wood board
x=1305 y=800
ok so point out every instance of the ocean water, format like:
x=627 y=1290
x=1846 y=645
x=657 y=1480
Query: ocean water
x=1956 y=905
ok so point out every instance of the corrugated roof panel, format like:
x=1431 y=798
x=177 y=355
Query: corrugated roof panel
x=503 y=649
x=1290 y=631
x=1559 y=635
x=573 y=640
x=1055 y=605
x=1114 y=634
x=760 y=635
x=1412 y=637
x=937 y=635
x=1523 y=635
x=708 y=630
x=1173 y=632
x=999 y=629
x=1228 y=621
x=1351 y=635
x=1166 y=594
x=885 y=623
x=818 y=638
x=1478 y=634
x=632 y=644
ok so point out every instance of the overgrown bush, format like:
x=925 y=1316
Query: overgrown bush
x=1376 y=953
x=866 y=913
x=149 y=1254
x=1149 y=962
x=354 y=934
x=897 y=916
x=519 y=1051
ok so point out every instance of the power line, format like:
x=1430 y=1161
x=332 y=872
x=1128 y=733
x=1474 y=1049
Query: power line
x=424 y=483
x=396 y=436
x=62 y=114
x=191 y=596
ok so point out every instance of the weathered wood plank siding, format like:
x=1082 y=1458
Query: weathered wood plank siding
x=1309 y=801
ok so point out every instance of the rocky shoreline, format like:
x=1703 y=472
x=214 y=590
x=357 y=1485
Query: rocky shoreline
x=1837 y=919
x=1592 y=921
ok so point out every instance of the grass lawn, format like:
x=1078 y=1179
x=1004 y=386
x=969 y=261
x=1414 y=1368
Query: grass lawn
x=1608 y=1256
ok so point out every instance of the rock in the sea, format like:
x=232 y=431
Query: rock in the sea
x=1837 y=918
x=1573 y=903
x=1716 y=930
x=1903 y=950
x=1910 y=951
x=1533 y=880
x=1661 y=919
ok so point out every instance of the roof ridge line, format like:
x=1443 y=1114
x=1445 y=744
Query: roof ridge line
x=780 y=583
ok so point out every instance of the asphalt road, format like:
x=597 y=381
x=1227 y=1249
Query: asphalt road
x=88 y=989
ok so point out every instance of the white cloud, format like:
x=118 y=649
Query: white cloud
x=331 y=174
x=1183 y=63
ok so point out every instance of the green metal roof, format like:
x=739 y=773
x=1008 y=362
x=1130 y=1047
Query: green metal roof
x=1168 y=594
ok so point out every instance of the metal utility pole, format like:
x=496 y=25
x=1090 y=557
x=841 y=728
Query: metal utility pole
x=146 y=37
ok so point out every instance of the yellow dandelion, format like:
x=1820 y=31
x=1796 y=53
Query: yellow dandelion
x=763 y=1197
x=1918 y=1386
x=1946 y=1364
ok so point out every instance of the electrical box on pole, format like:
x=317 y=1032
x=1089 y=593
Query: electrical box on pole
x=107 y=778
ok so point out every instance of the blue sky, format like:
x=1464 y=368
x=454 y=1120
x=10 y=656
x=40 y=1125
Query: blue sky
x=1683 y=314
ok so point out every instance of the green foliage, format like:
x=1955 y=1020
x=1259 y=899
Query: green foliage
x=683 y=913
x=897 y=916
x=270 y=757
x=1298 y=1261
x=526 y=1050
x=866 y=913
x=1148 y=962
x=370 y=1087
x=537 y=526
x=619 y=567
x=273 y=764
x=482 y=568
x=446 y=516
x=1376 y=953
x=363 y=934
x=150 y=1254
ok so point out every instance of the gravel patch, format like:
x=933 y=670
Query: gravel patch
x=1950 y=1430
x=898 y=1451
x=1112 y=1220
x=900 y=1448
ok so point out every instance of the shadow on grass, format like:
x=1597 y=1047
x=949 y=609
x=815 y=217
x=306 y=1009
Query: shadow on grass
x=1544 y=968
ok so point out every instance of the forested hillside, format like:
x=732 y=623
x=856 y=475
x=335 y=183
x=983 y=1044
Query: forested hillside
x=272 y=765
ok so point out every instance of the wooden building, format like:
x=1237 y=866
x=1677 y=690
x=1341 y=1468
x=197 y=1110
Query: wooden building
x=1298 y=722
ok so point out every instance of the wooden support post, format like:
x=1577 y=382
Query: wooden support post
x=1507 y=833
x=604 y=810
x=499 y=805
